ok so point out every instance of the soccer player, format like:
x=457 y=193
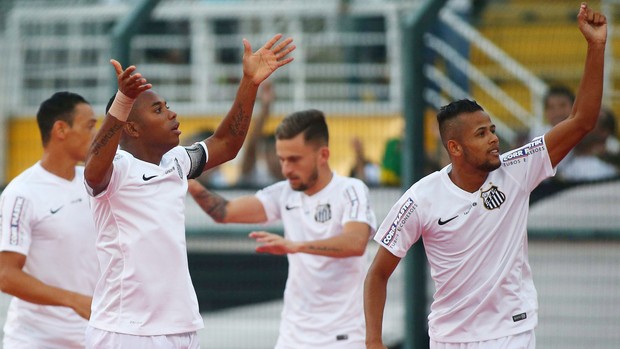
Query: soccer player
x=327 y=224
x=472 y=216
x=145 y=297
x=47 y=259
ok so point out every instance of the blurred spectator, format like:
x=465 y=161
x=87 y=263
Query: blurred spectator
x=608 y=125
x=363 y=169
x=391 y=162
x=558 y=104
x=260 y=165
x=586 y=162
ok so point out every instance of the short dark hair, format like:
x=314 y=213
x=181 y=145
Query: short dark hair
x=452 y=110
x=60 y=106
x=309 y=122
x=449 y=112
x=561 y=91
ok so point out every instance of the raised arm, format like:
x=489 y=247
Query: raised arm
x=351 y=242
x=247 y=209
x=565 y=135
x=375 y=292
x=98 y=170
x=225 y=143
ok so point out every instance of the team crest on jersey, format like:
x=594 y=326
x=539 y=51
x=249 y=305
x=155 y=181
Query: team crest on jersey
x=323 y=213
x=176 y=164
x=492 y=198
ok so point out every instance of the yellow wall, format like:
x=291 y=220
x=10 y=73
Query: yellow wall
x=25 y=141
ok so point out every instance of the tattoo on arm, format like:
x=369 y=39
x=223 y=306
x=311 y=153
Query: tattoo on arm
x=103 y=141
x=240 y=123
x=213 y=204
x=324 y=248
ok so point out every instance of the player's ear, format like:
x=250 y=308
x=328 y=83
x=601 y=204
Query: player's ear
x=454 y=148
x=59 y=129
x=131 y=129
x=324 y=154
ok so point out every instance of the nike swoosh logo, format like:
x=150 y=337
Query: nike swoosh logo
x=145 y=178
x=440 y=222
x=288 y=208
x=52 y=211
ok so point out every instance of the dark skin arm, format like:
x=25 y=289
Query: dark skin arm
x=228 y=138
x=375 y=291
x=98 y=170
x=567 y=134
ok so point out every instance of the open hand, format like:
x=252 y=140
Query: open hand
x=130 y=85
x=272 y=243
x=259 y=65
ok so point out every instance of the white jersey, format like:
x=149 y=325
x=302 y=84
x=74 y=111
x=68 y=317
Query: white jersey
x=145 y=288
x=323 y=306
x=47 y=219
x=476 y=244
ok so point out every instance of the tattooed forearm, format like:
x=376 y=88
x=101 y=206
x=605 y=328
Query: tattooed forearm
x=103 y=141
x=240 y=123
x=323 y=248
x=213 y=204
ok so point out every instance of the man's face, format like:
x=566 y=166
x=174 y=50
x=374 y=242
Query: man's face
x=158 y=125
x=557 y=108
x=300 y=162
x=480 y=145
x=82 y=132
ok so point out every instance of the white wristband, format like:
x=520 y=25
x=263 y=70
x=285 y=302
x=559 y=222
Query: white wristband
x=121 y=107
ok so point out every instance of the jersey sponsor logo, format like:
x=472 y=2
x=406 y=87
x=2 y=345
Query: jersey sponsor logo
x=440 y=222
x=342 y=337
x=519 y=317
x=288 y=208
x=399 y=221
x=54 y=211
x=515 y=156
x=179 y=170
x=146 y=179
x=15 y=220
x=492 y=198
x=323 y=213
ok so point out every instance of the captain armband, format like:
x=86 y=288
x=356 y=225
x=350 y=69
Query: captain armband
x=198 y=159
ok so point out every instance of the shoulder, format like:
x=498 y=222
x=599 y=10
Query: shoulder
x=22 y=183
x=534 y=146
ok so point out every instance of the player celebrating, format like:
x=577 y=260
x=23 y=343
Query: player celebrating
x=145 y=297
x=327 y=223
x=472 y=216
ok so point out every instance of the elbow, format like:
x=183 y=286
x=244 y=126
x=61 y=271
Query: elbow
x=5 y=280
x=358 y=250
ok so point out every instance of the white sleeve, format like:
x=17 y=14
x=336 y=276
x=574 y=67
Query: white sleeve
x=357 y=206
x=271 y=198
x=529 y=164
x=401 y=227
x=120 y=165
x=16 y=226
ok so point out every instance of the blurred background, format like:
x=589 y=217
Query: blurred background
x=379 y=69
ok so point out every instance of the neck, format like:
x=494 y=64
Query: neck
x=325 y=176
x=470 y=180
x=143 y=152
x=59 y=164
